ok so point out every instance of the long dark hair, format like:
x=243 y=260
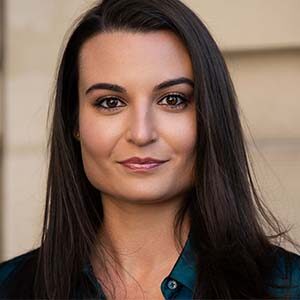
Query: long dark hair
x=229 y=221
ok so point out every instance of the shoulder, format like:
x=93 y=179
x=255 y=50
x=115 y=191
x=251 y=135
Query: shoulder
x=288 y=264
x=8 y=267
x=14 y=270
x=286 y=273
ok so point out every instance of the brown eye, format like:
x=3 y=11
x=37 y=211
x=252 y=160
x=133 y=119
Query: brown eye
x=111 y=102
x=173 y=99
x=108 y=103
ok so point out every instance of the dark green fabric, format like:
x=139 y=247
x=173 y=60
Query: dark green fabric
x=178 y=284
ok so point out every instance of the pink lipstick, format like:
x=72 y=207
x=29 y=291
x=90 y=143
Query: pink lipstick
x=142 y=164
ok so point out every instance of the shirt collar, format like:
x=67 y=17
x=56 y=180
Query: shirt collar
x=184 y=270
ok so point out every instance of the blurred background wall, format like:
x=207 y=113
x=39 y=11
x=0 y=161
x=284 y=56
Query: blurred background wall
x=261 y=44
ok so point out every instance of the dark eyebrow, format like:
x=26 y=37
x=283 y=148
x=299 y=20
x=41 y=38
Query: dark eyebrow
x=171 y=82
x=105 y=86
x=120 y=89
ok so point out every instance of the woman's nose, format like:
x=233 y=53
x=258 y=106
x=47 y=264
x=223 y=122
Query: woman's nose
x=141 y=128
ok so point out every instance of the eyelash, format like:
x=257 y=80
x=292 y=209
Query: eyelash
x=182 y=105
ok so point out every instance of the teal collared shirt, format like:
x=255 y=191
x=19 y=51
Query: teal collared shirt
x=179 y=284
x=182 y=278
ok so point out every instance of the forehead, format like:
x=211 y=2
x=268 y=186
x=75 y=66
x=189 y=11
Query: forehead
x=111 y=55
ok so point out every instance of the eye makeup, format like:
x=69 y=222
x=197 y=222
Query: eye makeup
x=108 y=103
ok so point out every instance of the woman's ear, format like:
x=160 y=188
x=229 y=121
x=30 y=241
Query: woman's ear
x=76 y=134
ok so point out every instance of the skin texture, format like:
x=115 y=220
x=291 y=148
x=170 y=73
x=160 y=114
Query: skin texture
x=139 y=208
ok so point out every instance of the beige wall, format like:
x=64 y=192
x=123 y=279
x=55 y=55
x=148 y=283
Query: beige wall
x=34 y=31
x=267 y=83
x=262 y=49
x=251 y=25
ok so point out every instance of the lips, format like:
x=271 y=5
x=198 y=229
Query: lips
x=143 y=165
x=146 y=160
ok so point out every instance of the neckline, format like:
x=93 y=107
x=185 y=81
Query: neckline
x=183 y=271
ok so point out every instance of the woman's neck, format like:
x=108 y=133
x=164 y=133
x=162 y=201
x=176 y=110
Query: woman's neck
x=140 y=237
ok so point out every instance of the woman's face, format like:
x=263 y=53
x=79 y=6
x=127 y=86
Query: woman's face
x=144 y=120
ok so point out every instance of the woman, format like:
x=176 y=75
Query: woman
x=149 y=191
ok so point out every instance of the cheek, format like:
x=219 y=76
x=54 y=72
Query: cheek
x=182 y=134
x=98 y=137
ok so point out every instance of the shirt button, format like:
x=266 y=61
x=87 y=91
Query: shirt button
x=172 y=284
